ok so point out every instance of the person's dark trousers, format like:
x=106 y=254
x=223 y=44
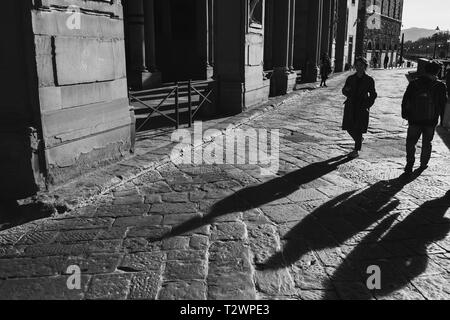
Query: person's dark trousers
x=414 y=133
x=358 y=137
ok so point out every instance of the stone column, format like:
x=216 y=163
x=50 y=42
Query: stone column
x=210 y=39
x=326 y=27
x=342 y=37
x=313 y=40
x=203 y=65
x=333 y=31
x=136 y=34
x=268 y=35
x=142 y=71
x=152 y=78
x=283 y=79
x=136 y=38
x=239 y=57
x=206 y=37
x=291 y=35
x=149 y=26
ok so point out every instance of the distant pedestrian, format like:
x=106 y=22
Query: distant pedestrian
x=423 y=104
x=447 y=80
x=325 y=69
x=374 y=62
x=361 y=95
x=386 y=61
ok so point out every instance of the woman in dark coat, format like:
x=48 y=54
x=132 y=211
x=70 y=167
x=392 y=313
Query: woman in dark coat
x=361 y=94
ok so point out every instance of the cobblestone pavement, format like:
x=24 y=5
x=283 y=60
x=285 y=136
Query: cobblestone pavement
x=227 y=232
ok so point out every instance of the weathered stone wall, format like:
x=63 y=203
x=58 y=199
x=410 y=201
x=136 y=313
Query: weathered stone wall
x=81 y=69
x=256 y=89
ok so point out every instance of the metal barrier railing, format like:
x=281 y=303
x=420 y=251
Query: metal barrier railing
x=203 y=99
x=156 y=109
x=191 y=88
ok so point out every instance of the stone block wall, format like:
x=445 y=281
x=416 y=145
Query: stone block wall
x=256 y=88
x=81 y=71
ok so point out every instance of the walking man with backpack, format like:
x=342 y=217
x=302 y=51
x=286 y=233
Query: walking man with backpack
x=423 y=104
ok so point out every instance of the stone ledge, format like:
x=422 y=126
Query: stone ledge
x=53 y=23
x=106 y=7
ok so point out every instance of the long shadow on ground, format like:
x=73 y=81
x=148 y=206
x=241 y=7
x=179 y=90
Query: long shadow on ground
x=445 y=135
x=401 y=253
x=12 y=214
x=339 y=220
x=257 y=196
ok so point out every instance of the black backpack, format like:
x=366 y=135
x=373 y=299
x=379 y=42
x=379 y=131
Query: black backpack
x=421 y=107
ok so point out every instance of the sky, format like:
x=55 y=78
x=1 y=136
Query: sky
x=426 y=14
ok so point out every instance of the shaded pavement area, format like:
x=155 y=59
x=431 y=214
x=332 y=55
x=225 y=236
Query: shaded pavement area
x=226 y=232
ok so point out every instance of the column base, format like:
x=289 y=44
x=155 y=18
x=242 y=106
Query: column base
x=144 y=80
x=257 y=95
x=231 y=98
x=236 y=97
x=282 y=82
x=209 y=72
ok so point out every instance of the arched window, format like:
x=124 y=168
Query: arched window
x=369 y=45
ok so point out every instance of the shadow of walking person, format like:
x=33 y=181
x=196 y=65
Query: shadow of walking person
x=401 y=253
x=337 y=221
x=257 y=196
x=12 y=214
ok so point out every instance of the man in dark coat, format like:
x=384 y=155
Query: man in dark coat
x=426 y=128
x=361 y=94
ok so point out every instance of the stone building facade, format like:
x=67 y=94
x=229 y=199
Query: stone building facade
x=66 y=105
x=379 y=30
x=324 y=26
x=68 y=83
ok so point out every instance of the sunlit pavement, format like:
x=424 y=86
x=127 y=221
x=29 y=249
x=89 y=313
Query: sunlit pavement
x=324 y=228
